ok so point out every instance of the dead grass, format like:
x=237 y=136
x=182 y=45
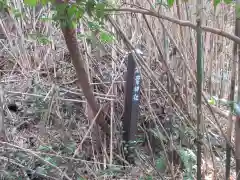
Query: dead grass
x=52 y=120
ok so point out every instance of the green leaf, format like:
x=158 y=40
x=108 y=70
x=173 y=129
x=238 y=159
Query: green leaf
x=44 y=148
x=61 y=11
x=43 y=40
x=30 y=2
x=71 y=11
x=4 y=7
x=148 y=177
x=215 y=3
x=212 y=101
x=93 y=25
x=50 y=160
x=238 y=11
x=16 y=13
x=90 y=7
x=44 y=2
x=106 y=37
x=170 y=3
x=100 y=10
x=228 y=1
x=188 y=158
x=79 y=13
x=161 y=164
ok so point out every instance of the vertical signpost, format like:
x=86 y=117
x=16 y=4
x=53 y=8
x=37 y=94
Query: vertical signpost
x=131 y=108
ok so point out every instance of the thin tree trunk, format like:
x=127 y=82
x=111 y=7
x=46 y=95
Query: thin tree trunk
x=77 y=60
x=199 y=89
x=231 y=99
x=237 y=123
x=2 y=127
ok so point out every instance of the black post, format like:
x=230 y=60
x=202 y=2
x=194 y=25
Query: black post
x=131 y=108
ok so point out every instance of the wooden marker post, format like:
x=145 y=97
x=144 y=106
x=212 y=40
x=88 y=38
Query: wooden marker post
x=131 y=108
